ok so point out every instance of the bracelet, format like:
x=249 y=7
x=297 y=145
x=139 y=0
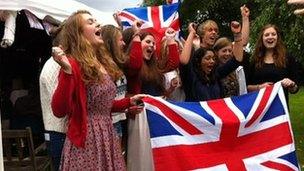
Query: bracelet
x=238 y=40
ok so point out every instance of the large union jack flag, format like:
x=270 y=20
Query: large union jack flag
x=250 y=132
x=156 y=19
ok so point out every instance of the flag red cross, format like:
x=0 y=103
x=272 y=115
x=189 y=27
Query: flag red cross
x=231 y=149
x=158 y=30
x=156 y=27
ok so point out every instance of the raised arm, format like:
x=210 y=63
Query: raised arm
x=136 y=28
x=245 y=12
x=186 y=52
x=136 y=59
x=117 y=19
x=62 y=97
x=238 y=44
x=299 y=11
x=173 y=60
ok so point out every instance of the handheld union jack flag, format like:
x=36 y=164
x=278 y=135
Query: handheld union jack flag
x=155 y=19
x=250 y=132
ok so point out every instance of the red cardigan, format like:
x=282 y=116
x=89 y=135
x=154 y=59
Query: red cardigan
x=70 y=98
x=136 y=62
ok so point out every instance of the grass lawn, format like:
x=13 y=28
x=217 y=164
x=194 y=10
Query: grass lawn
x=296 y=103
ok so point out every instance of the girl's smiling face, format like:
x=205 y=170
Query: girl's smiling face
x=270 y=38
x=208 y=62
x=148 y=46
x=224 y=54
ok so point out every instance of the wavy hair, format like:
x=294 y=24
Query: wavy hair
x=110 y=35
x=149 y=71
x=201 y=29
x=199 y=54
x=279 y=51
x=77 y=46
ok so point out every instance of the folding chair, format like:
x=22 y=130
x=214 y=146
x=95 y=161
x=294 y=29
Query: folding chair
x=19 y=152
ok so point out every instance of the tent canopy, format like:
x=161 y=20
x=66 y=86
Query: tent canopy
x=58 y=9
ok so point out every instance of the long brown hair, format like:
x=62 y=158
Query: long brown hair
x=109 y=35
x=149 y=71
x=279 y=51
x=77 y=46
x=199 y=54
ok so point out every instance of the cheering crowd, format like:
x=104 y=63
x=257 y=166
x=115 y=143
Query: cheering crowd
x=98 y=76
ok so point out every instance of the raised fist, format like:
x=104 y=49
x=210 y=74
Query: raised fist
x=235 y=27
x=170 y=33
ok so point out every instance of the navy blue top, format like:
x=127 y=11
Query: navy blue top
x=149 y=88
x=198 y=90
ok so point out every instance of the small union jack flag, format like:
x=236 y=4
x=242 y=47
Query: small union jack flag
x=250 y=132
x=155 y=19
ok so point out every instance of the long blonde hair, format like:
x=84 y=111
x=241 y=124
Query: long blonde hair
x=90 y=59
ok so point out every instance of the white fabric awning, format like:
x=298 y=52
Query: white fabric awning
x=58 y=9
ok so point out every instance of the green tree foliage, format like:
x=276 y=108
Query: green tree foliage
x=153 y=2
x=279 y=13
x=262 y=12
x=221 y=11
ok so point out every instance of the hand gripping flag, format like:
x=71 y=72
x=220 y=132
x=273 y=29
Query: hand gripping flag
x=156 y=19
x=250 y=132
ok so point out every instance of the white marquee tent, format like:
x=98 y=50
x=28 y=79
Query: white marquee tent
x=58 y=9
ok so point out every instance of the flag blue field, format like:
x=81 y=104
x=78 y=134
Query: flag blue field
x=250 y=132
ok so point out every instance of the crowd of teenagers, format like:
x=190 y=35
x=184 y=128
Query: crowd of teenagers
x=98 y=75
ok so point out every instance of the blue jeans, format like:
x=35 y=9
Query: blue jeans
x=118 y=128
x=54 y=143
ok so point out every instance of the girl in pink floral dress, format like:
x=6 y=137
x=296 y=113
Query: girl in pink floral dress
x=86 y=94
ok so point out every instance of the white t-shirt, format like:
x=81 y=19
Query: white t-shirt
x=241 y=79
x=178 y=94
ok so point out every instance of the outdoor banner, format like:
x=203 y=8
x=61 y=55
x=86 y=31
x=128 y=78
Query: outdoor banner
x=249 y=132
